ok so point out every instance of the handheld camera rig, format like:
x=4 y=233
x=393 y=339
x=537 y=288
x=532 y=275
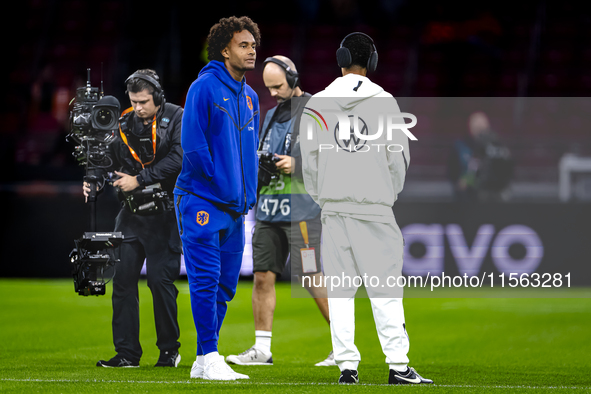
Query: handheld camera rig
x=94 y=119
x=267 y=169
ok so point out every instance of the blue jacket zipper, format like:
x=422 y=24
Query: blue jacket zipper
x=241 y=161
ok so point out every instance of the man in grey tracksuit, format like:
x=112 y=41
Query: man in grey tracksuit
x=354 y=166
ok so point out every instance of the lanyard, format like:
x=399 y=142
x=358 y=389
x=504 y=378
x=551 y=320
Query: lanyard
x=124 y=138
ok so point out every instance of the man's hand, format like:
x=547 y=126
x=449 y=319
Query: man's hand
x=86 y=190
x=286 y=164
x=126 y=182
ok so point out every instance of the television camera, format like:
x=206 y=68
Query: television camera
x=94 y=119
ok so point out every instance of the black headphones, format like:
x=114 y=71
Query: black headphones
x=291 y=76
x=158 y=94
x=344 y=58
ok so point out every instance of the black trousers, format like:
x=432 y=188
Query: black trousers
x=154 y=238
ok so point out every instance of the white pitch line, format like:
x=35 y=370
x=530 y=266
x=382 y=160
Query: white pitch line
x=252 y=383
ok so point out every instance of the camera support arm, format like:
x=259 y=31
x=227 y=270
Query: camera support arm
x=92 y=179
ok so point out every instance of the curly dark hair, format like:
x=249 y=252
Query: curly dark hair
x=222 y=32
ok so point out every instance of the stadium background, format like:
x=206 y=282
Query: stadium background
x=439 y=53
x=426 y=50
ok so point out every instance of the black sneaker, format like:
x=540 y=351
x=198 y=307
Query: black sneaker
x=349 y=376
x=118 y=362
x=409 y=377
x=170 y=358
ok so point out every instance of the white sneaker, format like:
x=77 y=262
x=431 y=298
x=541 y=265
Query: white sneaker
x=329 y=362
x=217 y=369
x=198 y=369
x=240 y=375
x=252 y=356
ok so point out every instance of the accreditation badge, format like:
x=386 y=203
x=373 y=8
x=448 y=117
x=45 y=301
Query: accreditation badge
x=308 y=254
x=308 y=260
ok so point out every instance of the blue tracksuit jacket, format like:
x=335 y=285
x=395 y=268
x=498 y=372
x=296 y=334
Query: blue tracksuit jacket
x=216 y=186
x=220 y=139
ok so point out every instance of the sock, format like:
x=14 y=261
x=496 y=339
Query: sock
x=200 y=360
x=210 y=356
x=263 y=340
x=401 y=368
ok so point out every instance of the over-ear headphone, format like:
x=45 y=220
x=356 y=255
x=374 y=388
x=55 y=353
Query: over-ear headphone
x=291 y=76
x=158 y=94
x=344 y=58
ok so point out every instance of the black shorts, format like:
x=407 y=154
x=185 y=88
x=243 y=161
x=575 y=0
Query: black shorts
x=272 y=243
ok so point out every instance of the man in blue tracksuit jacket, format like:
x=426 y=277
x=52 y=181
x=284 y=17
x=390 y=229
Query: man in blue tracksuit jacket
x=218 y=183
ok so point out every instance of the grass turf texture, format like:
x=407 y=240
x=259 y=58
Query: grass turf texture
x=51 y=339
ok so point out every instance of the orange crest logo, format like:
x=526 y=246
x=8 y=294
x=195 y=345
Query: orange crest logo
x=202 y=218
x=249 y=102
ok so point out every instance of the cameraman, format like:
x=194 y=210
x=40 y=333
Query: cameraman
x=273 y=237
x=147 y=152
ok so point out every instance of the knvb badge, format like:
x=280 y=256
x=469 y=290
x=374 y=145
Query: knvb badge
x=202 y=218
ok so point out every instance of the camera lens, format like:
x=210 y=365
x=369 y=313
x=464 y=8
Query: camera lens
x=104 y=117
x=105 y=114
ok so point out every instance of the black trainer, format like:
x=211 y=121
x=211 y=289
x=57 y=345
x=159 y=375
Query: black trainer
x=118 y=362
x=409 y=377
x=170 y=358
x=349 y=376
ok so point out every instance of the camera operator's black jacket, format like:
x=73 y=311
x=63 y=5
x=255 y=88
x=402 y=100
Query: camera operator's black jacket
x=166 y=166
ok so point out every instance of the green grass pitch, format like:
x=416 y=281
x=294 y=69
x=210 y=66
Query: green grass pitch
x=51 y=339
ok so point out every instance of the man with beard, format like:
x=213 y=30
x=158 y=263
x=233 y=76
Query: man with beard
x=283 y=206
